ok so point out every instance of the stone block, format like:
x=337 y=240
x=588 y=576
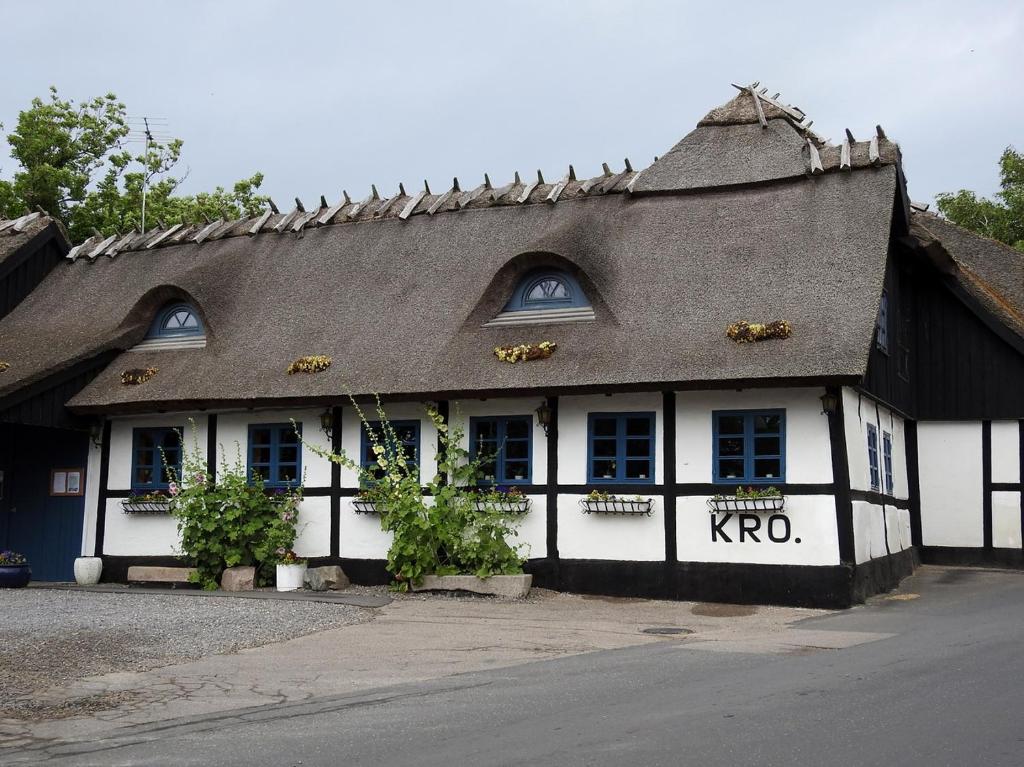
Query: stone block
x=238 y=579
x=314 y=580
x=333 y=576
x=507 y=586
x=149 y=574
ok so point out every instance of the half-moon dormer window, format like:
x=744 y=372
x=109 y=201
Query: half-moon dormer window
x=175 y=327
x=543 y=297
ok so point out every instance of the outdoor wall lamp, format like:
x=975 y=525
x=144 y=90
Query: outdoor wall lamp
x=327 y=424
x=96 y=433
x=829 y=403
x=544 y=417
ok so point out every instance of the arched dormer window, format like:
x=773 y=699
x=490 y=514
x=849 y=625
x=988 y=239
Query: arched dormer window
x=546 y=290
x=176 y=326
x=545 y=296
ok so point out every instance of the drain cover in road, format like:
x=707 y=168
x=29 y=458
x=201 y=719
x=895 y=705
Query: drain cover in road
x=666 y=630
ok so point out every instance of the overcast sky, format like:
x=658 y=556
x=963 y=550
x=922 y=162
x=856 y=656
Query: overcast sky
x=324 y=96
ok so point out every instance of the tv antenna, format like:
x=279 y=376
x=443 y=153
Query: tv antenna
x=141 y=131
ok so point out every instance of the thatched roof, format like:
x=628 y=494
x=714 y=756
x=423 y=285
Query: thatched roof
x=396 y=290
x=15 y=233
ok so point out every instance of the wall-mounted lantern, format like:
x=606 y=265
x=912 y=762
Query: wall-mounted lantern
x=327 y=424
x=544 y=417
x=829 y=403
x=96 y=433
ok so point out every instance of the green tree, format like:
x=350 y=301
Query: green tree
x=1002 y=218
x=74 y=164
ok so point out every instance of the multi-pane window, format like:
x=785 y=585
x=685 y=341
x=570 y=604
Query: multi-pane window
x=503 y=444
x=887 y=461
x=156 y=458
x=406 y=443
x=621 y=447
x=873 y=456
x=275 y=454
x=749 y=446
x=547 y=290
x=882 y=324
x=176 y=320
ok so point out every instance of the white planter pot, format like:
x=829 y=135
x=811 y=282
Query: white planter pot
x=88 y=570
x=290 y=577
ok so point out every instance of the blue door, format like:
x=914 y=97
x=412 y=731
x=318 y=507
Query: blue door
x=44 y=526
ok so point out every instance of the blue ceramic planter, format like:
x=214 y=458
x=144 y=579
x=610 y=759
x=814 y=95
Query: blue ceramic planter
x=14 y=576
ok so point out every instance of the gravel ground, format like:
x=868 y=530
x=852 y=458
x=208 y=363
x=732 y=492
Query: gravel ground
x=52 y=637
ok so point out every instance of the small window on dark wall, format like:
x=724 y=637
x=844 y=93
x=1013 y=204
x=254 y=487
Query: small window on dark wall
x=156 y=455
x=749 y=446
x=873 y=457
x=882 y=324
x=621 y=447
x=275 y=454
x=887 y=461
x=504 y=444
x=407 y=436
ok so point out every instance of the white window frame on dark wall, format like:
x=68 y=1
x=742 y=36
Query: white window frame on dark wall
x=874 y=473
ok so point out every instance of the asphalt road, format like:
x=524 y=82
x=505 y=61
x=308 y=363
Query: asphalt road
x=946 y=689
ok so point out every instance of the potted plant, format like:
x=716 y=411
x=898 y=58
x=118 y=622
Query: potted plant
x=149 y=503
x=508 y=500
x=597 y=502
x=291 y=570
x=14 y=570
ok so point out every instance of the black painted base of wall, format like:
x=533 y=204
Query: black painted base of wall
x=972 y=557
x=836 y=587
x=878 y=576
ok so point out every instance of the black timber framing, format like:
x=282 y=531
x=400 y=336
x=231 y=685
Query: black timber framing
x=336 y=426
x=913 y=481
x=841 y=479
x=986 y=484
x=101 y=497
x=211 y=448
x=668 y=453
x=551 y=490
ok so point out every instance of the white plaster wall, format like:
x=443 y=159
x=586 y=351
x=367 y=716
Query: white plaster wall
x=120 y=473
x=351 y=436
x=572 y=434
x=1005 y=451
x=858 y=412
x=807 y=449
x=609 y=536
x=314 y=527
x=1006 y=532
x=812 y=540
x=879 y=531
x=360 y=534
x=233 y=440
x=949 y=457
x=463 y=410
x=92 y=497
x=139 y=535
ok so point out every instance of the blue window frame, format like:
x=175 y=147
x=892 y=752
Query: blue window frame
x=275 y=454
x=548 y=289
x=505 y=444
x=620 y=447
x=887 y=461
x=882 y=324
x=175 y=321
x=873 y=456
x=407 y=434
x=156 y=456
x=749 y=446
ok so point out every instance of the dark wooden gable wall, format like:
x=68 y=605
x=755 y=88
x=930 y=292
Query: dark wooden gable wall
x=948 y=358
x=23 y=270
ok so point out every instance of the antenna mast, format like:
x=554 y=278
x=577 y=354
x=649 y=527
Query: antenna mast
x=145 y=171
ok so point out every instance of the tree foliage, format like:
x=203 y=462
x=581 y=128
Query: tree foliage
x=73 y=162
x=1001 y=218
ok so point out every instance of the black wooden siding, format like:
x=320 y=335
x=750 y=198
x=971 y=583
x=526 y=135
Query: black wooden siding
x=22 y=271
x=959 y=368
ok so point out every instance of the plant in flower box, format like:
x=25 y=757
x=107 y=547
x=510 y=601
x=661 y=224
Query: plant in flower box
x=749 y=498
x=502 y=498
x=599 y=502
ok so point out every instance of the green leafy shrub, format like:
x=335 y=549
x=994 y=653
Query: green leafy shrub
x=231 y=521
x=437 y=526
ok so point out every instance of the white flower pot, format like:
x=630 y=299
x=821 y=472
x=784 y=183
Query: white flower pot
x=290 y=577
x=88 y=570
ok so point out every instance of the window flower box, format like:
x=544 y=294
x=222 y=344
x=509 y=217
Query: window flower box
x=727 y=503
x=603 y=503
x=146 y=505
x=512 y=505
x=364 y=506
